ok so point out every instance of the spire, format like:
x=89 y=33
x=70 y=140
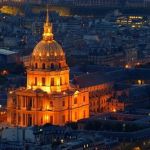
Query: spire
x=47 y=34
x=47 y=15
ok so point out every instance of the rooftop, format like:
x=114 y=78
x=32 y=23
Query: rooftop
x=6 y=52
x=99 y=77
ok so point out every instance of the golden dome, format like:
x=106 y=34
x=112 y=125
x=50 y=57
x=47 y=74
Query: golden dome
x=48 y=50
x=48 y=54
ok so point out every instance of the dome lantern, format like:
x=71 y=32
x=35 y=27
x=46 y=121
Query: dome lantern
x=47 y=49
x=47 y=34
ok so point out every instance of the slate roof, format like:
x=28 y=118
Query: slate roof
x=92 y=79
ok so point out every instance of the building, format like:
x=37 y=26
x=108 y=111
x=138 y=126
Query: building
x=48 y=96
x=132 y=21
x=135 y=3
x=108 y=3
x=131 y=57
x=7 y=56
x=16 y=138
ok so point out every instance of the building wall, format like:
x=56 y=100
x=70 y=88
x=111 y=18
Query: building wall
x=28 y=108
x=101 y=99
x=60 y=78
x=115 y=105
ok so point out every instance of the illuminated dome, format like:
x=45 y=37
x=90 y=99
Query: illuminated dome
x=48 y=53
x=48 y=50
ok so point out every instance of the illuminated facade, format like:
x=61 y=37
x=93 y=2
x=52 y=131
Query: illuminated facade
x=48 y=97
x=102 y=95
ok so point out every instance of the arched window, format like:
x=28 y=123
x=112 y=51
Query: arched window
x=43 y=66
x=36 y=65
x=52 y=66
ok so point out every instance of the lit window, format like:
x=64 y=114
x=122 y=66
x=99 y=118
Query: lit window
x=35 y=82
x=47 y=54
x=52 y=81
x=43 y=81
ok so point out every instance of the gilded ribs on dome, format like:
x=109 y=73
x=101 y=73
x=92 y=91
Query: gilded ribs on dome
x=48 y=49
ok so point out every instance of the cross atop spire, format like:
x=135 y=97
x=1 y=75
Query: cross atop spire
x=47 y=34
